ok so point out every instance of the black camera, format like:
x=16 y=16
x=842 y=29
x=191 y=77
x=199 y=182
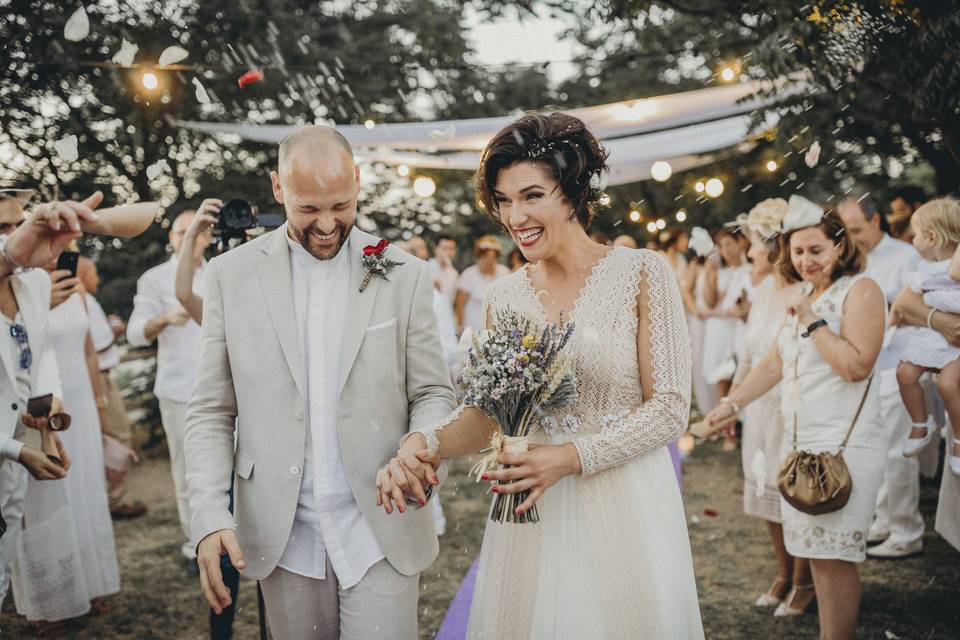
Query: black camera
x=239 y=221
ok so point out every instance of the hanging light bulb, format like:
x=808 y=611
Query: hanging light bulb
x=714 y=187
x=661 y=224
x=652 y=226
x=369 y=124
x=424 y=186
x=727 y=74
x=149 y=81
x=771 y=165
x=634 y=216
x=661 y=171
x=699 y=186
x=403 y=171
x=681 y=216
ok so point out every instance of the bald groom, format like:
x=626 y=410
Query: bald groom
x=317 y=382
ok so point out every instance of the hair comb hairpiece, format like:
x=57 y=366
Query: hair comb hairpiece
x=801 y=213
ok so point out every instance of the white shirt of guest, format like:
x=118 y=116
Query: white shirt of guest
x=475 y=283
x=101 y=333
x=891 y=264
x=446 y=278
x=328 y=519
x=178 y=348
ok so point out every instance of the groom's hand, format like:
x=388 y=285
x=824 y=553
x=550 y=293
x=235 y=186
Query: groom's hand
x=407 y=475
x=208 y=559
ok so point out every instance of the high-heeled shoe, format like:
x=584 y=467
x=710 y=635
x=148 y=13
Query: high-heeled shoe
x=768 y=599
x=913 y=446
x=955 y=459
x=784 y=610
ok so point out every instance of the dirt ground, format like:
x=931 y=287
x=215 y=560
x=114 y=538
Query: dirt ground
x=912 y=598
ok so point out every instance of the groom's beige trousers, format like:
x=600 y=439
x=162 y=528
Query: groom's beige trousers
x=382 y=606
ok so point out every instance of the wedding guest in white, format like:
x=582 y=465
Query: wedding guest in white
x=625 y=241
x=674 y=244
x=418 y=247
x=445 y=275
x=29 y=370
x=118 y=428
x=610 y=556
x=825 y=355
x=763 y=425
x=692 y=289
x=76 y=525
x=936 y=236
x=720 y=294
x=157 y=315
x=311 y=369
x=898 y=526
x=474 y=282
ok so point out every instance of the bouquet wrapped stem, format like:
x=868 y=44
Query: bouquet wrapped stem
x=515 y=377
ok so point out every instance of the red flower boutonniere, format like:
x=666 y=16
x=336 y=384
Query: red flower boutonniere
x=376 y=263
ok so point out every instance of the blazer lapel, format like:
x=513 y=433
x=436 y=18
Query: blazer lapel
x=30 y=322
x=361 y=304
x=277 y=286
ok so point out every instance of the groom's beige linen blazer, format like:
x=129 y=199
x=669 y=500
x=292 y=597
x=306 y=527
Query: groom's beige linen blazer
x=393 y=379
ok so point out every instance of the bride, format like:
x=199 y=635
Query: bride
x=610 y=556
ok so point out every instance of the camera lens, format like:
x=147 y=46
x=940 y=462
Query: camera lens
x=237 y=214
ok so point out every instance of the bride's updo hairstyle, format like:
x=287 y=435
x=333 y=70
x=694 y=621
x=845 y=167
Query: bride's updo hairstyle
x=561 y=144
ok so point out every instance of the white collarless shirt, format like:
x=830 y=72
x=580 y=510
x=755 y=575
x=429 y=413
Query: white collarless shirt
x=891 y=264
x=178 y=348
x=328 y=520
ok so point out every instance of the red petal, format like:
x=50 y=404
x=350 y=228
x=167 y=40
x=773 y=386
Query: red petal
x=251 y=76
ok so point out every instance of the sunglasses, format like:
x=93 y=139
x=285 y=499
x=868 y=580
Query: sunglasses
x=19 y=333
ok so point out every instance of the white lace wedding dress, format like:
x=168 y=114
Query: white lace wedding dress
x=610 y=557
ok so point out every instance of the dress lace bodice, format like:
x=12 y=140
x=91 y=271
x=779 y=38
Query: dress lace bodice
x=617 y=423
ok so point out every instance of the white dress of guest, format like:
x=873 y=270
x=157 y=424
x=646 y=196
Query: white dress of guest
x=704 y=393
x=475 y=283
x=720 y=332
x=762 y=418
x=825 y=405
x=923 y=346
x=38 y=594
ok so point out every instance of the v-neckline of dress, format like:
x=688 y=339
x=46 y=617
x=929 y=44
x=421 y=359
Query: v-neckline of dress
x=572 y=311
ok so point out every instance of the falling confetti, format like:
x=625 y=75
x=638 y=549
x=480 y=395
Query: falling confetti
x=173 y=55
x=812 y=157
x=251 y=76
x=77 y=27
x=759 y=468
x=126 y=54
x=156 y=168
x=66 y=148
x=710 y=513
x=201 y=93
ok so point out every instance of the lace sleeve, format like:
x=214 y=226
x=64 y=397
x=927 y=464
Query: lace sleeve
x=663 y=348
x=464 y=432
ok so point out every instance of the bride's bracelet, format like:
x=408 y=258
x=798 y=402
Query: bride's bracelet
x=930 y=319
x=733 y=405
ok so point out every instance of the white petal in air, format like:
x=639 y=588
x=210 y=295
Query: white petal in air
x=701 y=242
x=156 y=168
x=759 y=468
x=812 y=157
x=801 y=213
x=66 y=148
x=127 y=52
x=201 y=93
x=173 y=55
x=77 y=27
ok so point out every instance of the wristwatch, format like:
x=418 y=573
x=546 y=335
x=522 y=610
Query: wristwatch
x=813 y=326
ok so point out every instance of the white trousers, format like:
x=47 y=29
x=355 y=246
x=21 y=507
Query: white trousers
x=382 y=606
x=898 y=501
x=173 y=415
x=13 y=487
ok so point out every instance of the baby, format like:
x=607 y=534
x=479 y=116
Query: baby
x=936 y=227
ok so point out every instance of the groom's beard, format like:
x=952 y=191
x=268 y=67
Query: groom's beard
x=322 y=249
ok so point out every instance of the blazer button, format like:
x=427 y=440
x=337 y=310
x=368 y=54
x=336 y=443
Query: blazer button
x=294 y=470
x=14 y=406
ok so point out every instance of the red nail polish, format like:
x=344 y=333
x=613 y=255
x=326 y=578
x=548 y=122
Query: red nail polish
x=484 y=477
x=517 y=512
x=493 y=488
x=400 y=507
x=422 y=502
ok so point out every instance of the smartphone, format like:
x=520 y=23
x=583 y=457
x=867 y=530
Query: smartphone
x=39 y=407
x=68 y=262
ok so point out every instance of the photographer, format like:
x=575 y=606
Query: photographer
x=200 y=227
x=157 y=315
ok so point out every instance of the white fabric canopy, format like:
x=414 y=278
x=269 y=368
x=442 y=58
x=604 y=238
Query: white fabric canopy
x=679 y=128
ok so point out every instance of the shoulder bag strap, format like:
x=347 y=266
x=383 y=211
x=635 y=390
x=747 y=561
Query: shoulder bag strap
x=863 y=401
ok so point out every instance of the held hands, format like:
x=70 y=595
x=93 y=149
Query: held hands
x=209 y=551
x=408 y=475
x=177 y=317
x=721 y=412
x=536 y=470
x=49 y=229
